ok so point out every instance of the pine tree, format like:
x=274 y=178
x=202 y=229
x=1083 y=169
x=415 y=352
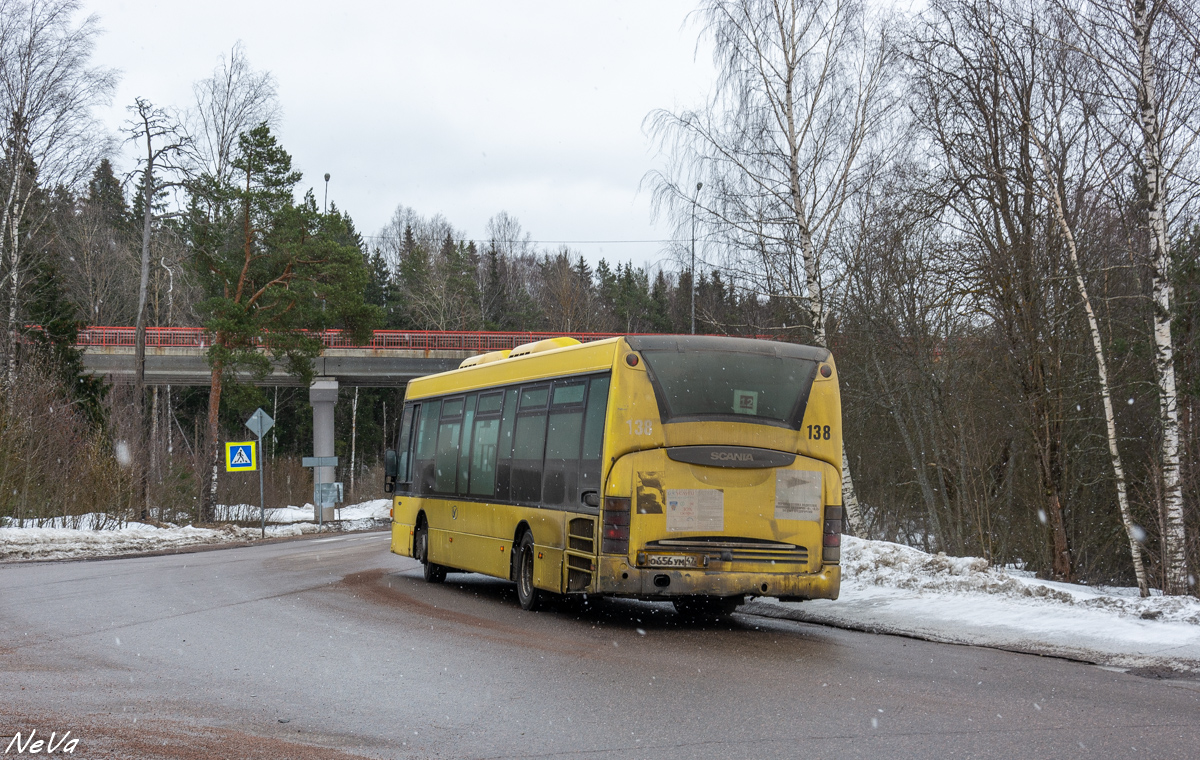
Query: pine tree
x=55 y=314
x=275 y=269
x=681 y=307
x=106 y=195
x=583 y=274
x=412 y=279
x=635 y=299
x=495 y=295
x=660 y=305
x=50 y=309
x=459 y=262
x=379 y=285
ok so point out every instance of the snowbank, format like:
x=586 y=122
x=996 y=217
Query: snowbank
x=354 y=514
x=105 y=537
x=891 y=588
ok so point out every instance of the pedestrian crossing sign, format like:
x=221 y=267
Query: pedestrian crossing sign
x=240 y=457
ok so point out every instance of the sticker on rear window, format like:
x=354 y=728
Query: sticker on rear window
x=797 y=495
x=745 y=402
x=695 y=509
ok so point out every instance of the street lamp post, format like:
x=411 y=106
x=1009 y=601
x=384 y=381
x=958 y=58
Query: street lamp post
x=326 y=192
x=695 y=198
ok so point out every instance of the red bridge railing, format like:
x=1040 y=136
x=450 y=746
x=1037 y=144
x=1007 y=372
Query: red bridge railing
x=427 y=340
x=415 y=340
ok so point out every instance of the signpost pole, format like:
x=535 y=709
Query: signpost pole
x=262 y=501
x=259 y=423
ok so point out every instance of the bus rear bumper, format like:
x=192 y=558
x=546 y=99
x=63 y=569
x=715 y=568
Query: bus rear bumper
x=618 y=578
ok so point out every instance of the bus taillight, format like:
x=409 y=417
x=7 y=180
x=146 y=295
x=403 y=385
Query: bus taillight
x=832 y=539
x=615 y=537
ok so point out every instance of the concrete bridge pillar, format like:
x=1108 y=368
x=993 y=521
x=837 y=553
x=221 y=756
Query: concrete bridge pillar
x=322 y=394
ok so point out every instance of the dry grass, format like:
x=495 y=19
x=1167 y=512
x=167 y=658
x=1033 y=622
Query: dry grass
x=55 y=466
x=52 y=464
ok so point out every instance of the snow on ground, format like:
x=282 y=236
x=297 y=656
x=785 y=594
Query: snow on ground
x=892 y=588
x=103 y=536
x=376 y=509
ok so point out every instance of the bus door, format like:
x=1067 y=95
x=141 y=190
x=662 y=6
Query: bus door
x=571 y=479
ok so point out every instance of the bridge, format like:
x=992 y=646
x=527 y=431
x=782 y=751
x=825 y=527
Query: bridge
x=178 y=355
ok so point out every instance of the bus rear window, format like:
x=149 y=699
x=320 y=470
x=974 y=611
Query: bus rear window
x=744 y=387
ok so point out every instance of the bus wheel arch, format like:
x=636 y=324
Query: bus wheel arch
x=420 y=549
x=433 y=572
x=518 y=534
x=529 y=596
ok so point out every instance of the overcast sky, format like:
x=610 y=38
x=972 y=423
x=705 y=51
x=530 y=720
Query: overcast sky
x=452 y=107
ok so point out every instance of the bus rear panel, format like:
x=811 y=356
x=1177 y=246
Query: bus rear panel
x=725 y=477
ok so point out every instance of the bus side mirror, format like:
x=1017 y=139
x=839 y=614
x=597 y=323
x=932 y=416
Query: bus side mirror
x=391 y=468
x=591 y=498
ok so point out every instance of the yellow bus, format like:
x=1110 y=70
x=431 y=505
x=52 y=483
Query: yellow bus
x=696 y=469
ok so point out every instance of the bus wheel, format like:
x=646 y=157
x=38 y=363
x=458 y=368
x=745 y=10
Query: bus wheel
x=700 y=607
x=527 y=595
x=434 y=573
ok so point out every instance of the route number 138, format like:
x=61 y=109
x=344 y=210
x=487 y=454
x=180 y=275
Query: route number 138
x=818 y=432
x=640 y=427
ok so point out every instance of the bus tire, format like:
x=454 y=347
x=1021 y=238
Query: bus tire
x=528 y=595
x=434 y=573
x=701 y=607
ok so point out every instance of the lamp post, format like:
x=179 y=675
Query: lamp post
x=326 y=192
x=695 y=198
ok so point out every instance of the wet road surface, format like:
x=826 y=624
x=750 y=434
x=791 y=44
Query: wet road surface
x=332 y=647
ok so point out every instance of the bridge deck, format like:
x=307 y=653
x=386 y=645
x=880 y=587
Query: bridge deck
x=178 y=355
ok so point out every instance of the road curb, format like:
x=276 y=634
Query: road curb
x=194 y=548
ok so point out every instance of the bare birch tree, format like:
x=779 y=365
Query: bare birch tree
x=1071 y=148
x=49 y=138
x=233 y=100
x=1150 y=53
x=988 y=199
x=803 y=89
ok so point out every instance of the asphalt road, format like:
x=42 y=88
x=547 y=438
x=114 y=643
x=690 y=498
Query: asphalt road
x=333 y=648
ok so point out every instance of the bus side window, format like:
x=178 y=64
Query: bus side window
x=482 y=475
x=464 y=453
x=427 y=425
x=505 y=446
x=529 y=444
x=561 y=482
x=593 y=434
x=404 y=446
x=449 y=433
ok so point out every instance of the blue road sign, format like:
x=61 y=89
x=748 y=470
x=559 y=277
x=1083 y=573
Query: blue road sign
x=240 y=457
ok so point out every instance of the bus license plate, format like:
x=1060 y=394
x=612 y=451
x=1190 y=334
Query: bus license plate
x=671 y=560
